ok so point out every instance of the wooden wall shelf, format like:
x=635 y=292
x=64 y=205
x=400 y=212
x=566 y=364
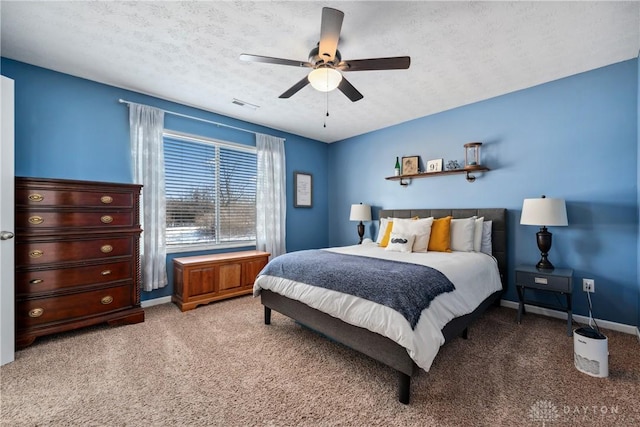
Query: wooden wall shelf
x=468 y=172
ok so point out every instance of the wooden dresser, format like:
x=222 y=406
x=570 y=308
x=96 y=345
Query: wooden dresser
x=77 y=256
x=205 y=278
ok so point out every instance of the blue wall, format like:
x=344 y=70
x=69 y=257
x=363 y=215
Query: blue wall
x=574 y=138
x=72 y=128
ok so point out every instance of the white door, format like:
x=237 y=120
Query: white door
x=7 y=329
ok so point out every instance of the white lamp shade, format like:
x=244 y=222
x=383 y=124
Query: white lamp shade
x=325 y=79
x=544 y=212
x=360 y=212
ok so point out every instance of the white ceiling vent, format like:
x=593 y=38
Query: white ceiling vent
x=245 y=104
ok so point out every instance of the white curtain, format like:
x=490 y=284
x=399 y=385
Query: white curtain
x=146 y=127
x=271 y=199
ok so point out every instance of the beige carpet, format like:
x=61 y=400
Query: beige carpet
x=220 y=365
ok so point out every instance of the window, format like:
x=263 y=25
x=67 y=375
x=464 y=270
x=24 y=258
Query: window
x=210 y=189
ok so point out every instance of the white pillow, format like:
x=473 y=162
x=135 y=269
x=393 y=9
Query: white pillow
x=462 y=232
x=477 y=234
x=486 y=245
x=420 y=228
x=400 y=242
x=382 y=229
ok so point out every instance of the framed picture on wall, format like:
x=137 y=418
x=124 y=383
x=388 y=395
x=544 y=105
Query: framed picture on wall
x=302 y=190
x=410 y=165
x=434 y=165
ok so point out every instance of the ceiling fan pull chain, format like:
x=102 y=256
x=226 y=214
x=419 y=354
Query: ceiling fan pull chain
x=327 y=115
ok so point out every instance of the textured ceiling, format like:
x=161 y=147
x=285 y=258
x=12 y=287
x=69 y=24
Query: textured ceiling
x=461 y=52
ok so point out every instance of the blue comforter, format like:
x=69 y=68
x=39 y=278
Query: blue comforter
x=405 y=287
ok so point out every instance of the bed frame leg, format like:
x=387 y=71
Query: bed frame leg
x=465 y=334
x=404 y=388
x=267 y=315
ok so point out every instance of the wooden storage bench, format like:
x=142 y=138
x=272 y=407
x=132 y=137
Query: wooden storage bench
x=202 y=279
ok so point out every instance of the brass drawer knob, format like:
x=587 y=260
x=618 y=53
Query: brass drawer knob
x=37 y=253
x=106 y=300
x=106 y=199
x=106 y=272
x=36 y=312
x=106 y=249
x=35 y=281
x=35 y=197
x=36 y=219
x=107 y=219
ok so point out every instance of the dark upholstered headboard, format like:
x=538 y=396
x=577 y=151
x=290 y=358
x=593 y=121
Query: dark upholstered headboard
x=498 y=216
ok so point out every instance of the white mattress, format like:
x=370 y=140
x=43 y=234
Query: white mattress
x=474 y=275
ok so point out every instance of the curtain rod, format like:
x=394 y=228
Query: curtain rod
x=124 y=101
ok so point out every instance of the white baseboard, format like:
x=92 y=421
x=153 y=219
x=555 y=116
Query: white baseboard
x=620 y=327
x=606 y=324
x=155 y=301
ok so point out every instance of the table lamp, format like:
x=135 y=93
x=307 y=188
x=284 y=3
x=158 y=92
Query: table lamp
x=544 y=212
x=360 y=213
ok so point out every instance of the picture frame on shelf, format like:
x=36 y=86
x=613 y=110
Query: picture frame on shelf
x=410 y=165
x=302 y=190
x=434 y=166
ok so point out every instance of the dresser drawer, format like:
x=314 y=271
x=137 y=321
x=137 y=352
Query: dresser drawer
x=35 y=220
x=41 y=311
x=49 y=280
x=61 y=198
x=34 y=253
x=543 y=281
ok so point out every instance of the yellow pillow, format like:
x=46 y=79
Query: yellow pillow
x=387 y=234
x=440 y=239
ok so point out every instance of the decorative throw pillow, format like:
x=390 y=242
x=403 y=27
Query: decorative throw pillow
x=387 y=234
x=477 y=234
x=399 y=242
x=440 y=239
x=486 y=246
x=382 y=229
x=420 y=228
x=462 y=231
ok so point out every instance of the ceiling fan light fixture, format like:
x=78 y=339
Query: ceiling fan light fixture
x=325 y=79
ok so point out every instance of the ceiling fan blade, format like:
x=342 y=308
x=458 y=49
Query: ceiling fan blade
x=395 y=63
x=330 y=33
x=295 y=88
x=269 y=60
x=350 y=91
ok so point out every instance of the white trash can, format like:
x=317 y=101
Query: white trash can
x=591 y=352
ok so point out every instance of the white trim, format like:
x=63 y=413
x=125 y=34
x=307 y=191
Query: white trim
x=155 y=301
x=175 y=249
x=606 y=324
x=614 y=326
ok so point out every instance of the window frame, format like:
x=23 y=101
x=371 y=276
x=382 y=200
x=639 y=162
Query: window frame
x=217 y=143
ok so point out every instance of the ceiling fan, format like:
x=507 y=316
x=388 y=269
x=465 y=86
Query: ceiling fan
x=327 y=63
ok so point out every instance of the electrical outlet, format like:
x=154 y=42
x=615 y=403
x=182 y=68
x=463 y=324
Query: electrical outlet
x=588 y=285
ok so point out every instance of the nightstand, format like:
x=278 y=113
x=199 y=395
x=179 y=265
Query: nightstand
x=557 y=280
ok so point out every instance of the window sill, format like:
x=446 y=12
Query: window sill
x=199 y=248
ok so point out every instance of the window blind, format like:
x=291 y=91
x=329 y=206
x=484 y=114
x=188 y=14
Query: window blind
x=210 y=192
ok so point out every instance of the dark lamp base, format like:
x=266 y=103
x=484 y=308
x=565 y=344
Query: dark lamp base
x=543 y=238
x=544 y=264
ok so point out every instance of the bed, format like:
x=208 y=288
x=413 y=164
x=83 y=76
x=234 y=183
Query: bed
x=383 y=345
